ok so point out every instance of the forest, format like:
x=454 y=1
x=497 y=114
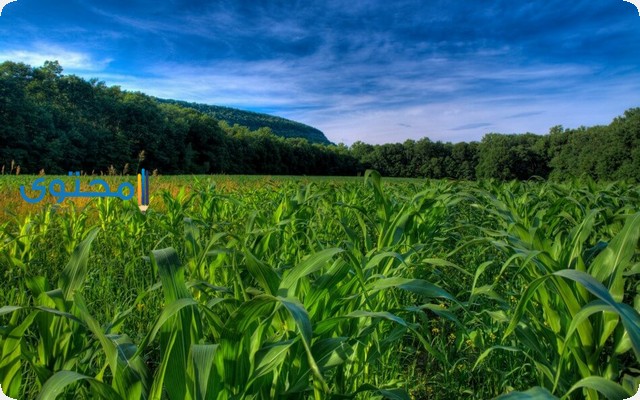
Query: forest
x=53 y=123
x=492 y=281
x=254 y=121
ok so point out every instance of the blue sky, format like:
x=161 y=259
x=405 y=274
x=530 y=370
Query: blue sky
x=375 y=71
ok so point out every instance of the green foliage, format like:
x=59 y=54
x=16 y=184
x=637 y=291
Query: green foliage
x=59 y=123
x=602 y=152
x=254 y=121
x=423 y=158
x=509 y=157
x=327 y=289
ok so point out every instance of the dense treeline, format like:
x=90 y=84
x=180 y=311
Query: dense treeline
x=254 y=121
x=422 y=158
x=602 y=152
x=62 y=123
x=58 y=123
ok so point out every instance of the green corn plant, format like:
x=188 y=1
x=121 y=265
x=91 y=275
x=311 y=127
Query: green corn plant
x=63 y=353
x=299 y=288
x=580 y=356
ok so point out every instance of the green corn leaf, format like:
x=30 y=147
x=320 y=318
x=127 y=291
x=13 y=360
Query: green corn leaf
x=630 y=317
x=168 y=312
x=609 y=389
x=264 y=274
x=171 y=273
x=270 y=357
x=444 y=263
x=331 y=352
x=131 y=378
x=417 y=286
x=55 y=385
x=491 y=350
x=181 y=330
x=73 y=275
x=535 y=393
x=308 y=266
x=202 y=360
x=379 y=314
x=383 y=207
x=301 y=317
x=250 y=313
x=393 y=394
x=596 y=306
x=522 y=304
x=10 y=356
x=610 y=265
x=377 y=259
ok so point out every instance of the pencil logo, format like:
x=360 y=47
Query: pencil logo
x=143 y=190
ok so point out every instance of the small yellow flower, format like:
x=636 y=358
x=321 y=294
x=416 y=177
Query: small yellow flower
x=435 y=331
x=140 y=307
x=452 y=337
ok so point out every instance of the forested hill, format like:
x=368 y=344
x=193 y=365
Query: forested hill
x=254 y=121
x=54 y=123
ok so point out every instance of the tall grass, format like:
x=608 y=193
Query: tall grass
x=284 y=288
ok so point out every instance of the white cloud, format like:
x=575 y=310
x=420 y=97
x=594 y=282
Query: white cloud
x=431 y=106
x=70 y=60
x=351 y=101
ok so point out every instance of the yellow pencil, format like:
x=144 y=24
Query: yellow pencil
x=139 y=189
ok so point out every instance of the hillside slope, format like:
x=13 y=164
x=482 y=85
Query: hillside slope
x=280 y=126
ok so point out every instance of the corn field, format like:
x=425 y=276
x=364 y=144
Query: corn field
x=324 y=289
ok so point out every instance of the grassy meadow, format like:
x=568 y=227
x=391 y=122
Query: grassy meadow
x=253 y=287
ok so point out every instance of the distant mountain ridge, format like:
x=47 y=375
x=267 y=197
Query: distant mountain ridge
x=253 y=120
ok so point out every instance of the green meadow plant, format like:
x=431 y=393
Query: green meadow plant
x=305 y=288
x=571 y=321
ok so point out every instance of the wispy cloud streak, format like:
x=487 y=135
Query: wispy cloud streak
x=369 y=70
